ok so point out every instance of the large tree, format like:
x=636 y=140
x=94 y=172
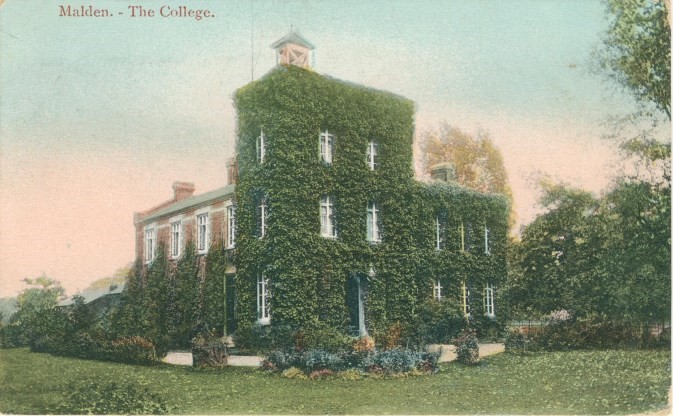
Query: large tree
x=636 y=50
x=477 y=162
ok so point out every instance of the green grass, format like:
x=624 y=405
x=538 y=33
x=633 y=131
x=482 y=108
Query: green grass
x=589 y=382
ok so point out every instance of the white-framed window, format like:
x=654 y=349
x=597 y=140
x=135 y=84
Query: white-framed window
x=231 y=226
x=150 y=244
x=202 y=233
x=465 y=298
x=261 y=147
x=263 y=299
x=487 y=242
x=373 y=223
x=262 y=215
x=489 y=300
x=437 y=290
x=327 y=222
x=326 y=147
x=372 y=155
x=176 y=239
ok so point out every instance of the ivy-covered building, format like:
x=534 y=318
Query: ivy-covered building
x=330 y=224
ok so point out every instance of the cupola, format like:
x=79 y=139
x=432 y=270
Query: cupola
x=294 y=49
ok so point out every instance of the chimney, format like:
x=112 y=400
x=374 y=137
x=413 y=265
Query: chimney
x=182 y=190
x=444 y=172
x=232 y=171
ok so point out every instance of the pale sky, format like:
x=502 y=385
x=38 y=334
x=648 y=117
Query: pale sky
x=98 y=116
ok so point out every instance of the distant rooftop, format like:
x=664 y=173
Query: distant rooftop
x=91 y=295
x=191 y=202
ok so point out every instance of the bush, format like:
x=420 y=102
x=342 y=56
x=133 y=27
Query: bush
x=313 y=360
x=256 y=338
x=294 y=372
x=322 y=337
x=90 y=397
x=434 y=323
x=132 y=350
x=208 y=350
x=392 y=361
x=364 y=344
x=515 y=342
x=467 y=347
x=281 y=360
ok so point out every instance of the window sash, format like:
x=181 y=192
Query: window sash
x=465 y=298
x=262 y=216
x=231 y=226
x=263 y=299
x=261 y=147
x=202 y=232
x=373 y=231
x=327 y=223
x=326 y=147
x=437 y=290
x=489 y=300
x=175 y=238
x=487 y=235
x=149 y=245
x=372 y=155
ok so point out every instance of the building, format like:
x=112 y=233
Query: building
x=328 y=223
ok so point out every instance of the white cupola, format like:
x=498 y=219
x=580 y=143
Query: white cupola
x=293 y=49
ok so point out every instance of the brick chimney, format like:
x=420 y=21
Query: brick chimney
x=444 y=172
x=182 y=190
x=232 y=171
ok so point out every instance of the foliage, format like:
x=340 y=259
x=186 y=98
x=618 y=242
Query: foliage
x=435 y=323
x=309 y=275
x=92 y=397
x=208 y=350
x=637 y=50
x=116 y=279
x=478 y=164
x=515 y=341
x=576 y=382
x=608 y=255
x=320 y=336
x=467 y=347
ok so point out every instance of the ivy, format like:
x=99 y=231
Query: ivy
x=309 y=274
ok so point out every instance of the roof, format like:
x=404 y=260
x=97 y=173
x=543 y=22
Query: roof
x=91 y=295
x=191 y=202
x=292 y=37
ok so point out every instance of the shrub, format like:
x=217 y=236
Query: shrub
x=313 y=360
x=90 y=397
x=256 y=338
x=294 y=372
x=515 y=342
x=396 y=360
x=322 y=337
x=391 y=337
x=208 y=350
x=281 y=359
x=320 y=374
x=434 y=323
x=467 y=347
x=132 y=350
x=364 y=344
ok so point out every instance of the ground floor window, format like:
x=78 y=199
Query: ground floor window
x=465 y=298
x=489 y=300
x=437 y=290
x=263 y=300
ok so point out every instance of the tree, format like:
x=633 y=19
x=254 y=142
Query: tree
x=117 y=278
x=477 y=162
x=636 y=50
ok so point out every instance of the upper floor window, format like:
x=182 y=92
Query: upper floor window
x=326 y=147
x=437 y=290
x=440 y=230
x=263 y=299
x=231 y=226
x=465 y=298
x=150 y=244
x=465 y=230
x=262 y=215
x=489 y=300
x=261 y=147
x=373 y=223
x=372 y=155
x=176 y=237
x=461 y=229
x=487 y=238
x=202 y=232
x=327 y=222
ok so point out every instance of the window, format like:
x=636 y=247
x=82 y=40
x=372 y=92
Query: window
x=176 y=228
x=440 y=230
x=202 y=233
x=461 y=229
x=327 y=223
x=465 y=298
x=231 y=226
x=262 y=215
x=489 y=304
x=263 y=299
x=487 y=235
x=261 y=147
x=372 y=155
x=149 y=245
x=373 y=223
x=326 y=147
x=437 y=290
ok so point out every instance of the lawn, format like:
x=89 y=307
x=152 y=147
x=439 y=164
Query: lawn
x=589 y=382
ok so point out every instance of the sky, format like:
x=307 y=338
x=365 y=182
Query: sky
x=99 y=116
